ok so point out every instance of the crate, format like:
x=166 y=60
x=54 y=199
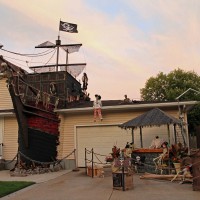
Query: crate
x=97 y=171
x=118 y=181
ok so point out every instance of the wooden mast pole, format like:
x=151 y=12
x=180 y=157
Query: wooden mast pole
x=58 y=43
x=66 y=89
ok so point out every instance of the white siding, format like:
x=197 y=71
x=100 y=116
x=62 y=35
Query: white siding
x=149 y=133
x=5 y=98
x=10 y=139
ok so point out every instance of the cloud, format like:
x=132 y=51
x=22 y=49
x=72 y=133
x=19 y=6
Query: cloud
x=123 y=45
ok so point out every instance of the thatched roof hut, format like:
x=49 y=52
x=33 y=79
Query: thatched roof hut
x=154 y=117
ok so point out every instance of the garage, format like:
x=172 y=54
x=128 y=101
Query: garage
x=101 y=138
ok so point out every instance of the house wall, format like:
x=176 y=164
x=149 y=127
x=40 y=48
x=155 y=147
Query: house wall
x=10 y=138
x=73 y=120
x=5 y=98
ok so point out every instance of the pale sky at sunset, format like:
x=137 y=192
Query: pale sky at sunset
x=125 y=42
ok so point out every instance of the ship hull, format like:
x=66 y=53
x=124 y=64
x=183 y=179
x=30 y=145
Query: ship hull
x=38 y=134
x=42 y=147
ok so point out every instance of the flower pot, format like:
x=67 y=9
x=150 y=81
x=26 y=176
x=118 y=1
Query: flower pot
x=114 y=168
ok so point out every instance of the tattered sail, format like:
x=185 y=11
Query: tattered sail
x=46 y=44
x=73 y=69
x=71 y=48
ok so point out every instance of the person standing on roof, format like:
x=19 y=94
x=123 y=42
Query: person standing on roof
x=97 y=105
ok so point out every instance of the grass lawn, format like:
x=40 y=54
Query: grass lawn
x=8 y=187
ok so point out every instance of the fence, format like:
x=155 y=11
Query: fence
x=93 y=158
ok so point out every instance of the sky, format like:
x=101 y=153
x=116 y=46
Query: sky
x=125 y=42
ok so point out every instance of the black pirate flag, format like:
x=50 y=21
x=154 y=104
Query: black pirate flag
x=68 y=27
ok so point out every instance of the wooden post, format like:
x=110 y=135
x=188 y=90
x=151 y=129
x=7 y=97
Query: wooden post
x=132 y=133
x=58 y=43
x=75 y=158
x=66 y=88
x=123 y=179
x=92 y=163
x=175 y=135
x=85 y=161
x=141 y=140
x=168 y=132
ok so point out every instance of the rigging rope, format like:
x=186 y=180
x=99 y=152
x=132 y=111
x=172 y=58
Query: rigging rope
x=8 y=162
x=50 y=58
x=46 y=163
x=30 y=55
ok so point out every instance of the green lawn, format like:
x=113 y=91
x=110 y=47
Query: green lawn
x=8 y=187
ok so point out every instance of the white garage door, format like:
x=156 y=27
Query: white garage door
x=101 y=139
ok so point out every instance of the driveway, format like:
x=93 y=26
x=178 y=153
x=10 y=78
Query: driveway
x=78 y=186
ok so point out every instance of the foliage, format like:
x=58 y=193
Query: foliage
x=178 y=152
x=194 y=118
x=8 y=187
x=167 y=87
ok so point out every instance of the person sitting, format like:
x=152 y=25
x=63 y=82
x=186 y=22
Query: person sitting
x=126 y=99
x=156 y=143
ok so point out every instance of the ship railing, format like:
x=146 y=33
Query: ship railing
x=34 y=96
x=48 y=101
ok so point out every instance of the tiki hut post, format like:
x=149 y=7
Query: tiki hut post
x=175 y=135
x=168 y=132
x=132 y=133
x=141 y=140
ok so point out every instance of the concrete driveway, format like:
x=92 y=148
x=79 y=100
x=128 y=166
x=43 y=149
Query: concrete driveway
x=78 y=186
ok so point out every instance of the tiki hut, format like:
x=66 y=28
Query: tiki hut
x=154 y=117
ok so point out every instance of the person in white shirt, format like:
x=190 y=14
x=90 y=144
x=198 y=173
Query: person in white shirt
x=156 y=143
x=97 y=105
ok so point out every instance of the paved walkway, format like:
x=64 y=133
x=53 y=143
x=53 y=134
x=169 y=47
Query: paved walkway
x=77 y=186
x=5 y=176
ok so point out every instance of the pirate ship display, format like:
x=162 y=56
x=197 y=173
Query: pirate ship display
x=35 y=97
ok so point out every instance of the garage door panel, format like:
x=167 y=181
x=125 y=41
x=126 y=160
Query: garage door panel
x=101 y=139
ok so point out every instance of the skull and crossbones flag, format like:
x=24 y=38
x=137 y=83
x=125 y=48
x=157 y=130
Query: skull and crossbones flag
x=68 y=27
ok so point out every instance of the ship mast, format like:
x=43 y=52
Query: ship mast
x=58 y=43
x=68 y=48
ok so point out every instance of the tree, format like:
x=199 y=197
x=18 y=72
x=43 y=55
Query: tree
x=167 y=87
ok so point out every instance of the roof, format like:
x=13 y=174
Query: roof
x=84 y=104
x=154 y=117
x=11 y=65
x=87 y=106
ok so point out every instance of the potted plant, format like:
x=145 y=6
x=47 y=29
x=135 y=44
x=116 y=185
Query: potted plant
x=178 y=152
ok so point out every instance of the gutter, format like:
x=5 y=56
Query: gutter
x=6 y=112
x=130 y=106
